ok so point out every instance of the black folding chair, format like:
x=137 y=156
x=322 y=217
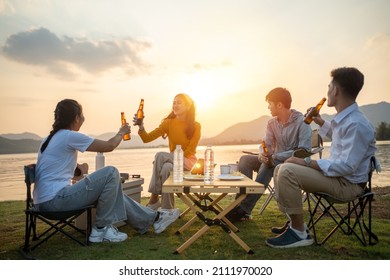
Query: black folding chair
x=55 y=222
x=352 y=217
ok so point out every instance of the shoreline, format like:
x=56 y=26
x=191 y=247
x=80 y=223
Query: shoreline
x=139 y=162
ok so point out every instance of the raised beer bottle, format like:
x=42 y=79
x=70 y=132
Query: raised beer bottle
x=123 y=119
x=140 y=113
x=314 y=111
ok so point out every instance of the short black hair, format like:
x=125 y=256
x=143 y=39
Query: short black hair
x=349 y=79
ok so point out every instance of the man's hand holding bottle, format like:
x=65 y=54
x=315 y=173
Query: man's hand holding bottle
x=264 y=155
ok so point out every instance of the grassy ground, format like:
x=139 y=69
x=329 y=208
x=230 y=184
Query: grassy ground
x=215 y=244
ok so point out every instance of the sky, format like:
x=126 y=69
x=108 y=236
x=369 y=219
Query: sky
x=226 y=54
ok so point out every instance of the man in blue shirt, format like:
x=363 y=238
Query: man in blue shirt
x=285 y=132
x=343 y=174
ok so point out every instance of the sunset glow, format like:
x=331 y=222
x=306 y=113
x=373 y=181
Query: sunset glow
x=207 y=87
x=227 y=55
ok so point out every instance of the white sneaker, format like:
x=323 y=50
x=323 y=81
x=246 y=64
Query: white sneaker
x=166 y=218
x=108 y=233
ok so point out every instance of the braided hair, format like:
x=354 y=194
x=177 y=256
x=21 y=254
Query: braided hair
x=64 y=115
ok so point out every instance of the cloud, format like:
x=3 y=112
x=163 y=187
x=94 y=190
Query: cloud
x=61 y=57
x=379 y=42
x=376 y=53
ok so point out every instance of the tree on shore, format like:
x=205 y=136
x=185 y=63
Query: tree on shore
x=383 y=131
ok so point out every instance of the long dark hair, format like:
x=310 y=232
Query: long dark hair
x=190 y=116
x=64 y=115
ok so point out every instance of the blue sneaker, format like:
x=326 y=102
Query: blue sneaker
x=289 y=239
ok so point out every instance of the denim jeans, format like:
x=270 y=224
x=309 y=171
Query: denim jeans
x=247 y=165
x=103 y=188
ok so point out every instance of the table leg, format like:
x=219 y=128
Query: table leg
x=187 y=198
x=241 y=243
x=186 y=225
x=192 y=239
x=192 y=207
x=221 y=217
x=227 y=210
x=232 y=234
x=205 y=228
x=184 y=213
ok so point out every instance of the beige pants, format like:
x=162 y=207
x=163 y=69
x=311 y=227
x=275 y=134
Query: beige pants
x=291 y=179
x=162 y=167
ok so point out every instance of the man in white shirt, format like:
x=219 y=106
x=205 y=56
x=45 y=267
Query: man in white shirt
x=343 y=174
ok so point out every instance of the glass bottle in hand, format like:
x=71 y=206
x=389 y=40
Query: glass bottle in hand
x=314 y=111
x=264 y=150
x=140 y=113
x=123 y=120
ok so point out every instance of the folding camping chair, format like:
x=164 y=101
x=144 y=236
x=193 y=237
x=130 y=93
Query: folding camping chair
x=55 y=222
x=316 y=147
x=350 y=216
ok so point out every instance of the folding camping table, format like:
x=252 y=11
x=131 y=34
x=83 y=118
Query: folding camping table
x=197 y=196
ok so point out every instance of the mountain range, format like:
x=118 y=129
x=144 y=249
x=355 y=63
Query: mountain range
x=253 y=131
x=240 y=133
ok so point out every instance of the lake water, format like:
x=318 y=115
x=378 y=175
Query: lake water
x=139 y=161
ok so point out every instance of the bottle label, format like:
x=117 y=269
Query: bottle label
x=209 y=166
x=178 y=165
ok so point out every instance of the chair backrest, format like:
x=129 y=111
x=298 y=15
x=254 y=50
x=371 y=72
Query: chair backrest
x=317 y=143
x=316 y=139
x=29 y=179
x=316 y=147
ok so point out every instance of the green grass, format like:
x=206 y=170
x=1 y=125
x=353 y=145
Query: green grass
x=215 y=244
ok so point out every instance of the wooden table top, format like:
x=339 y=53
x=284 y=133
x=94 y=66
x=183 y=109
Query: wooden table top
x=218 y=186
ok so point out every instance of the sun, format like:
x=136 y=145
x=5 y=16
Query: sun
x=206 y=87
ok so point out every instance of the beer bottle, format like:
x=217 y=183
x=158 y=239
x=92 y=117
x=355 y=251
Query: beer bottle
x=140 y=113
x=314 y=111
x=265 y=149
x=270 y=162
x=123 y=119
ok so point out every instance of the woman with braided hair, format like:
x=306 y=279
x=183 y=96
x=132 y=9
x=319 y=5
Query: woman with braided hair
x=54 y=191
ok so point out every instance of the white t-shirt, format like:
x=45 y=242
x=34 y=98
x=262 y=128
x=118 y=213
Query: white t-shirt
x=56 y=165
